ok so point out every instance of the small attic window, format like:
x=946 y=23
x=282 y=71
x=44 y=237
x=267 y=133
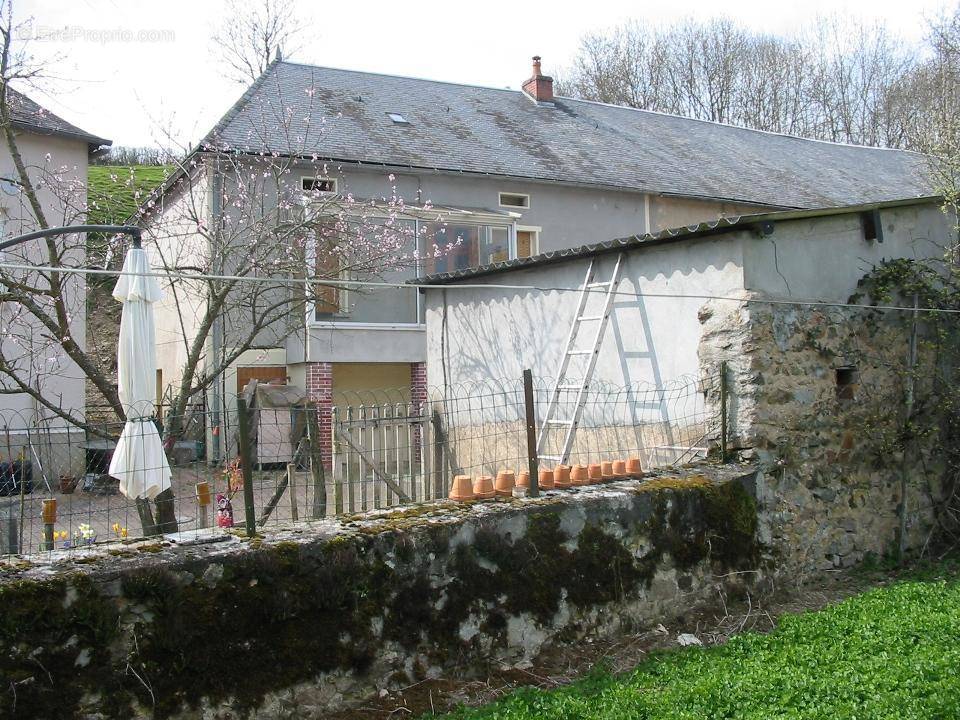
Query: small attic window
x=318 y=184
x=871 y=225
x=516 y=200
x=397 y=118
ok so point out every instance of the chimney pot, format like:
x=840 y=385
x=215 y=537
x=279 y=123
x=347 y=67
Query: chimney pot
x=539 y=86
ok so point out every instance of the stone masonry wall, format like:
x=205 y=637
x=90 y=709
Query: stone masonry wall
x=816 y=398
x=318 y=615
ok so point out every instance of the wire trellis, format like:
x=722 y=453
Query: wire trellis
x=366 y=451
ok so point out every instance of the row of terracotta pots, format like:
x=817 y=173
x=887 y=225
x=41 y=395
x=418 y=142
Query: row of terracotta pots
x=484 y=487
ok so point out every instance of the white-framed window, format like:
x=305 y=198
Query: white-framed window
x=514 y=200
x=397 y=118
x=456 y=241
x=325 y=185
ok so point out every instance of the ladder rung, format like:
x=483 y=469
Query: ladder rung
x=559 y=422
x=548 y=457
x=591 y=317
x=573 y=387
x=605 y=283
x=581 y=352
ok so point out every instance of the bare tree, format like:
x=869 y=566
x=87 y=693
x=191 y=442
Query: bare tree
x=837 y=80
x=43 y=309
x=934 y=93
x=239 y=276
x=253 y=34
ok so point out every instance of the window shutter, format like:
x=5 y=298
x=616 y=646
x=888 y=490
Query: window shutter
x=327 y=297
x=524 y=243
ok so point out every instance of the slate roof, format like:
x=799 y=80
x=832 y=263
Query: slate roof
x=33 y=117
x=635 y=242
x=341 y=115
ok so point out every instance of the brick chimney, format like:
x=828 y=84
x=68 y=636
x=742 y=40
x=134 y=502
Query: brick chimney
x=539 y=86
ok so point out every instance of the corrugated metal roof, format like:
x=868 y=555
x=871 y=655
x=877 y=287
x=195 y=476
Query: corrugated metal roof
x=343 y=115
x=634 y=242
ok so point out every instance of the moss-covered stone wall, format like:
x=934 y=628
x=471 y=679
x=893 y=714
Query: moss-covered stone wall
x=817 y=400
x=317 y=616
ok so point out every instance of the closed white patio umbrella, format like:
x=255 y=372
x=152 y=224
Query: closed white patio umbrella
x=139 y=462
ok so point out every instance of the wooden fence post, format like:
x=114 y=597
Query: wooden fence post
x=246 y=467
x=533 y=462
x=438 y=444
x=292 y=489
x=319 y=508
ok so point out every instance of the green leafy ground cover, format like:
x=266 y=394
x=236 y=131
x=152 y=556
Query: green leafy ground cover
x=892 y=652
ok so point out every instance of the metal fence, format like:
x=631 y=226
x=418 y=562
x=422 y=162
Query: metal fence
x=307 y=462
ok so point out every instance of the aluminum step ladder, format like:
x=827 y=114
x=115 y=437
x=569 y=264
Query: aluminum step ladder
x=569 y=424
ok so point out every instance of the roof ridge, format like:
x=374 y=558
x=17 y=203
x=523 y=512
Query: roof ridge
x=400 y=77
x=240 y=103
x=567 y=98
x=738 y=127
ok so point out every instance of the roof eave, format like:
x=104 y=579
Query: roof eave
x=92 y=140
x=711 y=228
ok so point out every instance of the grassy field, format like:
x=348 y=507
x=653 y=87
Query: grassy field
x=114 y=191
x=893 y=652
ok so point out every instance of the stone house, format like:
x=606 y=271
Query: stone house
x=49 y=146
x=506 y=174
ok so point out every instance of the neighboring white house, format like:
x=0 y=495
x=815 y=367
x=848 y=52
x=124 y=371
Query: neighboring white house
x=56 y=155
x=505 y=174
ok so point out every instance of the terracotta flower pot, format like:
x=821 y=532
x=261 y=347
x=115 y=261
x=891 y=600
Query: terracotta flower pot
x=505 y=483
x=619 y=468
x=634 y=467
x=462 y=488
x=606 y=470
x=483 y=487
x=561 y=477
x=546 y=480
x=594 y=473
x=579 y=476
x=523 y=479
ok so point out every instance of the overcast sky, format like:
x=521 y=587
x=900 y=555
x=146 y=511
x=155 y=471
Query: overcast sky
x=131 y=90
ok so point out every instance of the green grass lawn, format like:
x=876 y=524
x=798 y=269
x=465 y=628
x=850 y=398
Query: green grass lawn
x=115 y=191
x=893 y=652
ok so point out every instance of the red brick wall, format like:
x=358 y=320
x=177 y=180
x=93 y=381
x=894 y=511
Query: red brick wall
x=418 y=382
x=418 y=397
x=320 y=390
